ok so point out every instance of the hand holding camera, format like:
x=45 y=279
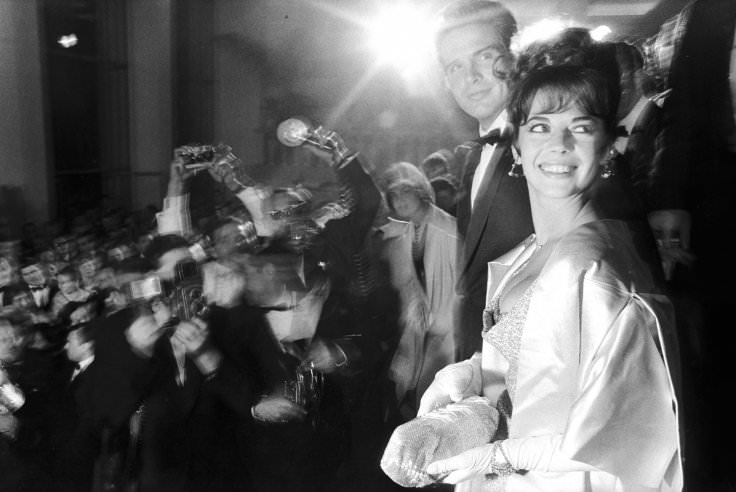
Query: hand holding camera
x=192 y=335
x=143 y=333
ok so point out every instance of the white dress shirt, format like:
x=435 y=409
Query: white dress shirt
x=485 y=156
x=81 y=366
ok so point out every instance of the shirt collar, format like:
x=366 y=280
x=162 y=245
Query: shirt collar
x=500 y=123
x=85 y=363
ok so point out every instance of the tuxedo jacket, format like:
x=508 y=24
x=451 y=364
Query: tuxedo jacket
x=75 y=437
x=500 y=219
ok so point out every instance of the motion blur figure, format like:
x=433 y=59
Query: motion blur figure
x=421 y=244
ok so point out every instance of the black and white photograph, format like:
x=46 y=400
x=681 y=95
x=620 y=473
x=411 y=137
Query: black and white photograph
x=367 y=245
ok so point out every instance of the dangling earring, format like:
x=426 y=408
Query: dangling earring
x=516 y=170
x=608 y=165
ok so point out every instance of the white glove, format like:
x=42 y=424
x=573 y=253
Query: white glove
x=474 y=462
x=452 y=384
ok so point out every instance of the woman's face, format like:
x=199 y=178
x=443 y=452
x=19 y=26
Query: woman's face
x=561 y=152
x=405 y=204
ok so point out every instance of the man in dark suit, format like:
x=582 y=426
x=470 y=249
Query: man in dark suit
x=75 y=438
x=472 y=41
x=698 y=174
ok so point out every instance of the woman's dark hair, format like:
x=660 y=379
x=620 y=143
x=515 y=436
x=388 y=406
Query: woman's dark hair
x=564 y=86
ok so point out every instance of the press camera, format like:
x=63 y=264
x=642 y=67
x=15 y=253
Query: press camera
x=184 y=294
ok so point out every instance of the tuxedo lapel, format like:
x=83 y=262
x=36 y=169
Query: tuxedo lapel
x=469 y=155
x=484 y=200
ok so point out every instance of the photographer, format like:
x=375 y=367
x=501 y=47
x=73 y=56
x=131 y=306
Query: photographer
x=167 y=395
x=311 y=288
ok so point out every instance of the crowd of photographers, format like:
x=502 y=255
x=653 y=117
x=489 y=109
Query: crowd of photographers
x=149 y=355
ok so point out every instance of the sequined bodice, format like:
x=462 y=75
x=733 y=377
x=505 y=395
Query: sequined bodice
x=504 y=330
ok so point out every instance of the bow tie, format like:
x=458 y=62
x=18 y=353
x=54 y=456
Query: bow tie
x=36 y=288
x=493 y=137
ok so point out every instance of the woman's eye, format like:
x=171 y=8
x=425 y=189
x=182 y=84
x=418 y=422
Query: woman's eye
x=487 y=56
x=583 y=129
x=538 y=128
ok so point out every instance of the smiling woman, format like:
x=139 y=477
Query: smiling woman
x=579 y=354
x=564 y=130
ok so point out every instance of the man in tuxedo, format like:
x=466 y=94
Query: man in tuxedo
x=38 y=282
x=75 y=438
x=473 y=46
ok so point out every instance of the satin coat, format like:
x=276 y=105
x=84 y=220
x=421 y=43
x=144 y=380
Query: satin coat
x=427 y=315
x=597 y=370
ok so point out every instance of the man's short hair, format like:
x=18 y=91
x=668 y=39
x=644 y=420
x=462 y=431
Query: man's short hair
x=85 y=332
x=463 y=12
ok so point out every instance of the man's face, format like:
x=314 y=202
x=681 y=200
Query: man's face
x=89 y=268
x=469 y=55
x=76 y=349
x=33 y=275
x=12 y=342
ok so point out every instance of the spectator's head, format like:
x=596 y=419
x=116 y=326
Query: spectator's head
x=439 y=163
x=33 y=273
x=13 y=341
x=6 y=272
x=66 y=246
x=407 y=190
x=80 y=343
x=473 y=40
x=20 y=297
x=445 y=193
x=68 y=280
x=89 y=265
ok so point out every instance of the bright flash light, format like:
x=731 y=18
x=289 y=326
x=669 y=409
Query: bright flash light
x=68 y=40
x=540 y=31
x=401 y=35
x=600 y=33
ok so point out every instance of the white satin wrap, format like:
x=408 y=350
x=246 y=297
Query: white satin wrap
x=595 y=407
